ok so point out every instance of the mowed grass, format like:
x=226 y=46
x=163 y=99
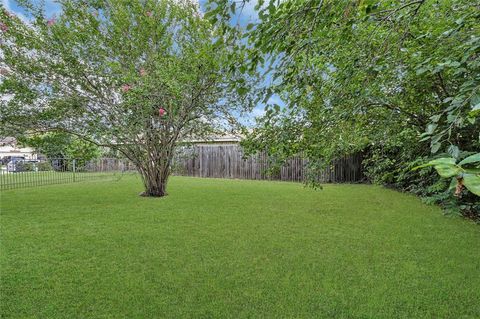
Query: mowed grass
x=233 y=249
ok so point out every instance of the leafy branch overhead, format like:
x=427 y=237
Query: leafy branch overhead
x=396 y=80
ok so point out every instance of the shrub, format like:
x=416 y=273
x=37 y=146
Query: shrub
x=44 y=166
x=25 y=167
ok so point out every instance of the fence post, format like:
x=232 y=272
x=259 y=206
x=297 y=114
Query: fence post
x=74 y=169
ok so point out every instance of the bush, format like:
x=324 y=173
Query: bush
x=44 y=166
x=24 y=167
x=391 y=165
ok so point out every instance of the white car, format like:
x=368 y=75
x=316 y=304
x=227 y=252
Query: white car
x=22 y=165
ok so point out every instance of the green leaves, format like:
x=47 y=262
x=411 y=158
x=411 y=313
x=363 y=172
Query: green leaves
x=454 y=151
x=475 y=102
x=475 y=158
x=103 y=70
x=446 y=170
x=354 y=82
x=472 y=182
x=447 y=167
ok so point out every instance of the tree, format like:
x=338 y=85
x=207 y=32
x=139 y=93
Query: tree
x=55 y=145
x=397 y=80
x=135 y=76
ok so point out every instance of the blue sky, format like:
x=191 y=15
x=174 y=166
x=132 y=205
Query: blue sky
x=52 y=8
x=247 y=15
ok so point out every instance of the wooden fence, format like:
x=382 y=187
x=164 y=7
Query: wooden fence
x=228 y=161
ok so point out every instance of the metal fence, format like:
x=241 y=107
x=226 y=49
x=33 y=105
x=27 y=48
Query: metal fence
x=20 y=173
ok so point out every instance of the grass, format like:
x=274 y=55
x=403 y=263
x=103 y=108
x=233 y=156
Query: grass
x=233 y=249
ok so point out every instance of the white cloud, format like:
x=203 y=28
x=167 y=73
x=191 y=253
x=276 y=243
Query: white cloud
x=51 y=8
x=7 y=5
x=258 y=111
x=275 y=99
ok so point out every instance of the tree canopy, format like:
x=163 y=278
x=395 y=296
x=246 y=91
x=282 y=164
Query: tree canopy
x=396 y=80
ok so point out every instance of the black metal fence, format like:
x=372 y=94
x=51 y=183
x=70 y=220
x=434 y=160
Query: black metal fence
x=20 y=173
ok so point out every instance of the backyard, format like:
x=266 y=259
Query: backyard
x=216 y=248
x=240 y=159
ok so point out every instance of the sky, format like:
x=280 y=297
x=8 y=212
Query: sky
x=246 y=16
x=52 y=8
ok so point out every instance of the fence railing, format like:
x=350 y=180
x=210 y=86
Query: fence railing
x=20 y=173
x=220 y=161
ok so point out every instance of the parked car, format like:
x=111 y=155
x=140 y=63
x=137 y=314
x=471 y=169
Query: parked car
x=6 y=159
x=11 y=161
x=20 y=164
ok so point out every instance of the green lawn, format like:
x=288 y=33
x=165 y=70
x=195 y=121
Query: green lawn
x=233 y=249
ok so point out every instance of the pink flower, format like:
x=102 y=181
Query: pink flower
x=161 y=112
x=3 y=27
x=143 y=72
x=126 y=88
x=51 y=21
x=148 y=13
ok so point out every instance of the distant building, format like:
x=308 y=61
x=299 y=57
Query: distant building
x=217 y=140
x=10 y=147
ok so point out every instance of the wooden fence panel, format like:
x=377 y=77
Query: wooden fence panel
x=228 y=161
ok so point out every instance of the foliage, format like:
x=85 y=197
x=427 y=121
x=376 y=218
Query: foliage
x=135 y=76
x=233 y=249
x=44 y=166
x=462 y=175
x=397 y=80
x=61 y=145
x=24 y=167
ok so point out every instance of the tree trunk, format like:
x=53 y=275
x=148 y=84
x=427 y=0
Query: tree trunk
x=155 y=177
